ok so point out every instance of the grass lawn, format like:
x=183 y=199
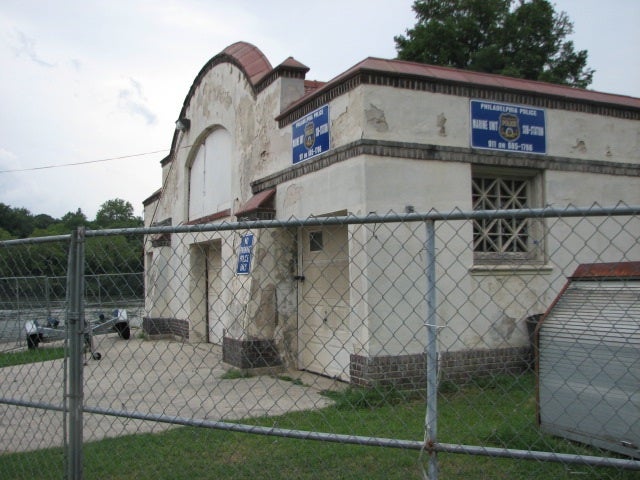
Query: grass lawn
x=499 y=413
x=30 y=356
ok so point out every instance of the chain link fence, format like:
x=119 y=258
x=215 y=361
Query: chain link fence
x=493 y=344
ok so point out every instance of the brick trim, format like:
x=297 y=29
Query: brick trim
x=154 y=326
x=465 y=365
x=250 y=353
x=417 y=151
x=408 y=372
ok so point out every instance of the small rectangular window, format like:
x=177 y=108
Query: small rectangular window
x=505 y=239
x=315 y=241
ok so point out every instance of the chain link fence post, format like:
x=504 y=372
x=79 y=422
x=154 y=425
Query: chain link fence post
x=75 y=320
x=431 y=421
x=47 y=295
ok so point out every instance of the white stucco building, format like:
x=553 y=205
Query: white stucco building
x=257 y=141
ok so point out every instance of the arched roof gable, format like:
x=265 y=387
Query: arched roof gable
x=245 y=56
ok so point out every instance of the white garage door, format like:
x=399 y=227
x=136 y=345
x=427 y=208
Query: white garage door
x=323 y=301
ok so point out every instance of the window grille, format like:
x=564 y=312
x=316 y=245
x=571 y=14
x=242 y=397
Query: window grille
x=504 y=238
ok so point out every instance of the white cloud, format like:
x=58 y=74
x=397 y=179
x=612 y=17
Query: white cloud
x=7 y=159
x=75 y=64
x=132 y=100
x=25 y=46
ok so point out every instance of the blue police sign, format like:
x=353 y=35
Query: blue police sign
x=245 y=252
x=310 y=135
x=512 y=128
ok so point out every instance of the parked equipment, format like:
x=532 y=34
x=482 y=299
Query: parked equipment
x=51 y=331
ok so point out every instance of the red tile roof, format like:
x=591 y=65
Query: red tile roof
x=291 y=62
x=252 y=60
x=491 y=80
x=312 y=85
x=607 y=270
x=257 y=201
x=406 y=69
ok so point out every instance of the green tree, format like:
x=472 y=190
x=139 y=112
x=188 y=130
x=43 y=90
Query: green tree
x=17 y=221
x=72 y=220
x=113 y=263
x=122 y=255
x=525 y=39
x=43 y=221
x=117 y=213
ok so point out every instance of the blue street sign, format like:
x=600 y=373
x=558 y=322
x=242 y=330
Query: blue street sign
x=512 y=128
x=245 y=252
x=310 y=135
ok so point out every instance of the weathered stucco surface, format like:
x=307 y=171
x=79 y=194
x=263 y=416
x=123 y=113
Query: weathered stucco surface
x=263 y=305
x=593 y=137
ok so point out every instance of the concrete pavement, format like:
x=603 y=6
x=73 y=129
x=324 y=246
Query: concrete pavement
x=159 y=377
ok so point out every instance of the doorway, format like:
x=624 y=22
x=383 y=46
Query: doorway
x=323 y=301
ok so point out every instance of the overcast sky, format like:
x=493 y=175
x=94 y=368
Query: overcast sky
x=90 y=80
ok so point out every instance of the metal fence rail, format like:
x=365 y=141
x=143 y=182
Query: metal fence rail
x=385 y=346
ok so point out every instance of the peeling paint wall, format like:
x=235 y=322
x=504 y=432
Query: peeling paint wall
x=376 y=119
x=258 y=305
x=438 y=119
x=332 y=189
x=412 y=116
x=593 y=137
x=270 y=294
x=262 y=305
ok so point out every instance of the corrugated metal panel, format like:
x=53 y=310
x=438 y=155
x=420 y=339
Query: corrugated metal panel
x=589 y=365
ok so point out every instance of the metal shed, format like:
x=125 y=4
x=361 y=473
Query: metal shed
x=588 y=361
